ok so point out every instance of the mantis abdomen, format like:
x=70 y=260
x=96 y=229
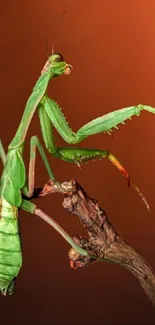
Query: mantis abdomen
x=10 y=247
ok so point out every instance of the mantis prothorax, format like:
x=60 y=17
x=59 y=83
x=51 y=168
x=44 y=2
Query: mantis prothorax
x=14 y=181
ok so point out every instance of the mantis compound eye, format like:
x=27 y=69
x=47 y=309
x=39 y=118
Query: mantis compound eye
x=58 y=57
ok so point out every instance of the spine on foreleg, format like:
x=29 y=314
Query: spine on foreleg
x=10 y=247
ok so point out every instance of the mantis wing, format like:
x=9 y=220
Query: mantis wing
x=13 y=178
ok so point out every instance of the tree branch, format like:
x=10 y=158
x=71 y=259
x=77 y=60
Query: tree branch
x=103 y=243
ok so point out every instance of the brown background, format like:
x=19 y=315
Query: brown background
x=111 y=45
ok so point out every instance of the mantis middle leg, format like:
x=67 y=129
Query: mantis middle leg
x=29 y=190
x=34 y=144
x=32 y=208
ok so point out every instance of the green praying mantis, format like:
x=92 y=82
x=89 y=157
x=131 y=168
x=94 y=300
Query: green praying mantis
x=15 y=183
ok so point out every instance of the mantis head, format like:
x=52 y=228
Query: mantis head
x=57 y=66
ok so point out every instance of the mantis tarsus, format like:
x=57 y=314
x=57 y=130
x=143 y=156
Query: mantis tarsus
x=14 y=182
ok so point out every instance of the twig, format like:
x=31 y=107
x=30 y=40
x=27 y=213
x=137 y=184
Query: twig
x=103 y=243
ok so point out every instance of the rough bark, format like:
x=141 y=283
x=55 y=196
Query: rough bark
x=103 y=243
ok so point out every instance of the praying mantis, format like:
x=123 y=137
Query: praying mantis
x=15 y=183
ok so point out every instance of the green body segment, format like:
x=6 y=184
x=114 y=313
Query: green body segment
x=13 y=177
x=10 y=247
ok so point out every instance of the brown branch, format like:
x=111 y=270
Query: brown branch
x=103 y=243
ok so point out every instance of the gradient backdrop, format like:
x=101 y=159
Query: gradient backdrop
x=111 y=45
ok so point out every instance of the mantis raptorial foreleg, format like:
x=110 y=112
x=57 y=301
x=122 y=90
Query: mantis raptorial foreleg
x=101 y=124
x=49 y=112
x=35 y=143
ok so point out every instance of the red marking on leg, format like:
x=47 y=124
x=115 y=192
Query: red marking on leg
x=118 y=165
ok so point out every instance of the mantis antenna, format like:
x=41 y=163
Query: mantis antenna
x=46 y=45
x=54 y=40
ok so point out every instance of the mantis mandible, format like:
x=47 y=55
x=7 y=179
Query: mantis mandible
x=15 y=183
